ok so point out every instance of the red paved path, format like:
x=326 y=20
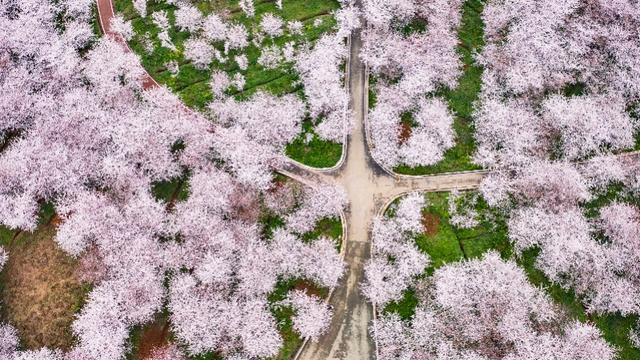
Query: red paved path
x=105 y=14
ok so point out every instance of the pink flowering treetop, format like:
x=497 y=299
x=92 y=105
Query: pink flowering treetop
x=486 y=309
x=588 y=250
x=410 y=68
x=312 y=314
x=558 y=80
x=396 y=260
x=324 y=86
x=317 y=203
x=83 y=133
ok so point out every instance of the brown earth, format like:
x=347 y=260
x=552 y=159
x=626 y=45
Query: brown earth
x=405 y=132
x=154 y=336
x=431 y=223
x=309 y=288
x=40 y=292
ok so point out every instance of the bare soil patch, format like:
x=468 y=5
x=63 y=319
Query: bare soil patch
x=153 y=337
x=405 y=132
x=431 y=223
x=40 y=292
x=309 y=288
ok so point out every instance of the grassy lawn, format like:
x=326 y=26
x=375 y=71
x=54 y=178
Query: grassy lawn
x=460 y=99
x=192 y=84
x=445 y=244
x=314 y=152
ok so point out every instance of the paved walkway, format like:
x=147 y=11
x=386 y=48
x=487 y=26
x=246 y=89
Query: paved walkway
x=105 y=14
x=369 y=188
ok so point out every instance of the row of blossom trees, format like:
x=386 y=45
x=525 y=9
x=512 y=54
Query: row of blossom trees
x=559 y=79
x=80 y=131
x=486 y=309
x=216 y=41
x=395 y=259
x=410 y=47
x=588 y=241
x=559 y=95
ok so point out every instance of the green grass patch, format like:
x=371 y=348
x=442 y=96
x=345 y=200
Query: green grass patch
x=314 y=152
x=283 y=314
x=461 y=99
x=192 y=85
x=446 y=243
x=405 y=307
x=176 y=189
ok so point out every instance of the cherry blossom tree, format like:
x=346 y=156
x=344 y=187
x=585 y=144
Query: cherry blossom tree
x=324 y=86
x=549 y=70
x=544 y=202
x=396 y=260
x=602 y=171
x=4 y=256
x=508 y=133
x=271 y=57
x=248 y=7
x=269 y=120
x=8 y=340
x=190 y=19
x=462 y=209
x=317 y=203
x=587 y=125
x=199 y=51
x=312 y=314
x=122 y=27
x=214 y=28
x=161 y=20
x=486 y=309
x=348 y=18
x=410 y=68
x=272 y=25
x=140 y=6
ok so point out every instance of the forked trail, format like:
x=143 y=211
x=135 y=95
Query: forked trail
x=369 y=189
